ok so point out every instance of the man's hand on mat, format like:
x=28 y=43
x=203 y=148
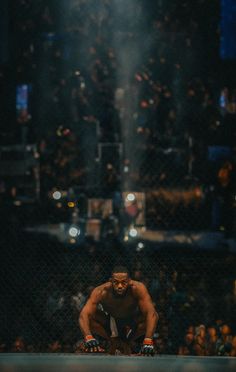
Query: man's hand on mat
x=147 y=347
x=92 y=345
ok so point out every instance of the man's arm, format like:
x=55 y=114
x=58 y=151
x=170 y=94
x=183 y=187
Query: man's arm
x=148 y=310
x=89 y=310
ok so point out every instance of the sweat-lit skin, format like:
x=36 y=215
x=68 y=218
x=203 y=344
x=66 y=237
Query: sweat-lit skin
x=121 y=298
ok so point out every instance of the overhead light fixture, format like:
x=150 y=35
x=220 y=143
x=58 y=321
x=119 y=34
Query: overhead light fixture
x=56 y=195
x=74 y=231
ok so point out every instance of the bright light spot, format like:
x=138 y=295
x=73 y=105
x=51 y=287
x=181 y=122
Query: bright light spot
x=59 y=205
x=119 y=93
x=59 y=133
x=56 y=195
x=130 y=197
x=72 y=241
x=71 y=204
x=139 y=247
x=74 y=231
x=198 y=192
x=133 y=232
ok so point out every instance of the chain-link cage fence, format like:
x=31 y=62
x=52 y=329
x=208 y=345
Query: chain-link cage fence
x=133 y=163
x=45 y=284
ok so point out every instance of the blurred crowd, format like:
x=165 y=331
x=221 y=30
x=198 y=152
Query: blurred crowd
x=168 y=117
x=171 y=99
x=215 y=340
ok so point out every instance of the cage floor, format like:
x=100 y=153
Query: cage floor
x=91 y=362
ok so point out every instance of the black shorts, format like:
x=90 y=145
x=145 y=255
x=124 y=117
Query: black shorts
x=126 y=327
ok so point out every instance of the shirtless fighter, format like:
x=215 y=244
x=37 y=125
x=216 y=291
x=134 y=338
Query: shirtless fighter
x=120 y=309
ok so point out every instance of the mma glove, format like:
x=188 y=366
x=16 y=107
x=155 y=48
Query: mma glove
x=91 y=344
x=147 y=347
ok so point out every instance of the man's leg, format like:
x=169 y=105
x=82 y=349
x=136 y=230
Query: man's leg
x=99 y=324
x=139 y=329
x=105 y=326
x=128 y=331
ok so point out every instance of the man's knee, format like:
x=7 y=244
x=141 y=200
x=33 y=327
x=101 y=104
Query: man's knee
x=141 y=326
x=100 y=317
x=139 y=331
x=99 y=325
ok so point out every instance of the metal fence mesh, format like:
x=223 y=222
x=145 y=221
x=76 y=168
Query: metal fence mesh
x=133 y=162
x=45 y=284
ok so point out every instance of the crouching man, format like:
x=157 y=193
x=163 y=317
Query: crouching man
x=119 y=311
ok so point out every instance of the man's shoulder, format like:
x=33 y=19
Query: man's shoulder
x=137 y=287
x=102 y=289
x=105 y=286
